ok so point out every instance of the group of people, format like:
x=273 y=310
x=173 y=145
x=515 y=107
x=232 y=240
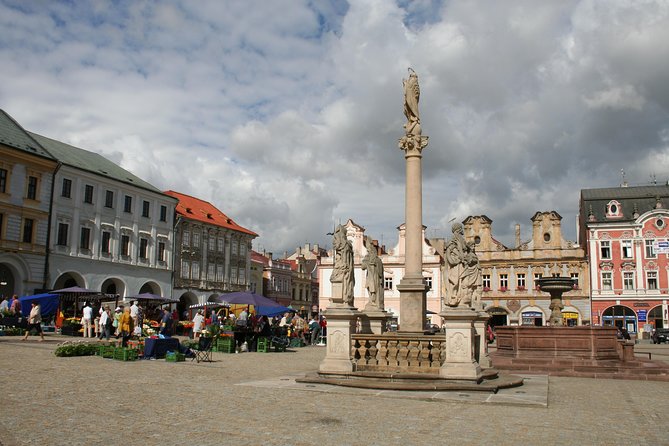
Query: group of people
x=11 y=307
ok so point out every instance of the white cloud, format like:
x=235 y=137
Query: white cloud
x=288 y=113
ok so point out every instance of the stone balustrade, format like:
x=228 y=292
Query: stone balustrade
x=394 y=352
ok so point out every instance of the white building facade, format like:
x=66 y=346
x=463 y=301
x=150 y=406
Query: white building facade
x=110 y=231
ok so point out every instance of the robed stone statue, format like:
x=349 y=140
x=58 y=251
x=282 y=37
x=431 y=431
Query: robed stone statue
x=373 y=264
x=343 y=264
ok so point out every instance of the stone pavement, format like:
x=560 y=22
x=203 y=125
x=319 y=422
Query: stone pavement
x=248 y=399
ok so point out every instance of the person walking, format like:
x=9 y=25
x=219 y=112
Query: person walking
x=15 y=306
x=198 y=322
x=106 y=323
x=125 y=327
x=34 y=321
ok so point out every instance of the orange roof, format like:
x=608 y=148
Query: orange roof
x=200 y=210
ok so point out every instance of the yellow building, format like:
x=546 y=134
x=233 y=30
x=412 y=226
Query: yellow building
x=509 y=291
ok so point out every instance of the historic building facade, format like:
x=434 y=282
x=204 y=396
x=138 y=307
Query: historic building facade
x=212 y=254
x=393 y=268
x=110 y=231
x=624 y=231
x=26 y=178
x=510 y=294
x=304 y=263
x=277 y=278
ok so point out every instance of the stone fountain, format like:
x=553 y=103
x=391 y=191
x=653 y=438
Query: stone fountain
x=556 y=286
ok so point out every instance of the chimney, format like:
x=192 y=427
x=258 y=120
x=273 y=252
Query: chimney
x=316 y=247
x=306 y=247
x=517 y=235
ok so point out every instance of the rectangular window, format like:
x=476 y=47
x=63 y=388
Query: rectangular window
x=233 y=276
x=574 y=277
x=235 y=247
x=242 y=276
x=66 y=189
x=61 y=239
x=106 y=242
x=31 y=193
x=242 y=249
x=28 y=227
x=503 y=281
x=651 y=280
x=219 y=273
x=125 y=245
x=195 y=271
x=388 y=283
x=520 y=281
x=211 y=272
x=628 y=280
x=163 y=213
x=486 y=281
x=607 y=280
x=221 y=244
x=185 y=269
x=2 y=225
x=127 y=204
x=185 y=238
x=627 y=248
x=196 y=239
x=161 y=251
x=212 y=244
x=3 y=180
x=109 y=199
x=605 y=249
x=143 y=248
x=146 y=208
x=650 y=250
x=88 y=194
x=85 y=239
x=428 y=283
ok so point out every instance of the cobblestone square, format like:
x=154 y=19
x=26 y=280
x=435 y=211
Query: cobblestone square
x=48 y=400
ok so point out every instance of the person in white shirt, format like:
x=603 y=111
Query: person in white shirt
x=87 y=320
x=198 y=322
x=134 y=312
x=105 y=323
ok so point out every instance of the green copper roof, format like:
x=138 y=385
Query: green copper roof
x=91 y=162
x=13 y=135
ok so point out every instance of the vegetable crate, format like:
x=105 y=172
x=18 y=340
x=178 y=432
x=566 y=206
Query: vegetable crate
x=226 y=344
x=125 y=354
x=107 y=351
x=175 y=357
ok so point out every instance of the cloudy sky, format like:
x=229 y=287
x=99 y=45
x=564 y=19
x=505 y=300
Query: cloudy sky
x=286 y=114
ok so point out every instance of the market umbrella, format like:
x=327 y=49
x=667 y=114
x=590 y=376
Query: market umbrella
x=151 y=297
x=75 y=290
x=262 y=310
x=247 y=298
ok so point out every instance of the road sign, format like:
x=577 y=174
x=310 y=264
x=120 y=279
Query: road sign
x=642 y=315
x=661 y=247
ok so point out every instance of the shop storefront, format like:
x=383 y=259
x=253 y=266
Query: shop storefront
x=533 y=318
x=569 y=318
x=498 y=316
x=620 y=316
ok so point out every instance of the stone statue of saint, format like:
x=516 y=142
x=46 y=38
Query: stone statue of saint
x=471 y=282
x=343 y=264
x=464 y=282
x=411 y=97
x=454 y=254
x=373 y=264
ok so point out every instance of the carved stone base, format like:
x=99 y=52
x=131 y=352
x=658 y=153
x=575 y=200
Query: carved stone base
x=341 y=325
x=374 y=321
x=460 y=362
x=481 y=352
x=412 y=304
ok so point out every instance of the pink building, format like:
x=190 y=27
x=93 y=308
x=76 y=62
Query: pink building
x=625 y=235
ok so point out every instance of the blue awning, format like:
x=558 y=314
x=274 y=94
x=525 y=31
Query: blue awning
x=48 y=302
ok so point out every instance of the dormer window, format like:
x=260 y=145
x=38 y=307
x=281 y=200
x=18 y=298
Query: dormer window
x=659 y=223
x=613 y=209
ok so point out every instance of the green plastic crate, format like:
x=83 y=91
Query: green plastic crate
x=107 y=351
x=175 y=357
x=125 y=354
x=226 y=345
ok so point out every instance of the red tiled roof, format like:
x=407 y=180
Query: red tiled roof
x=200 y=210
x=257 y=257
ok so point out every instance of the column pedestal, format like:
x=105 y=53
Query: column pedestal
x=482 y=356
x=374 y=321
x=460 y=360
x=341 y=325
x=412 y=304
